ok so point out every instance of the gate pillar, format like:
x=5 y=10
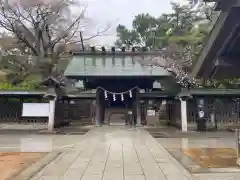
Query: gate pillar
x=184 y=123
x=138 y=109
x=51 y=119
x=98 y=109
x=184 y=97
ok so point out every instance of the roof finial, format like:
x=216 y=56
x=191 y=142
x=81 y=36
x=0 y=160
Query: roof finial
x=133 y=49
x=103 y=49
x=113 y=49
x=93 y=49
x=144 y=49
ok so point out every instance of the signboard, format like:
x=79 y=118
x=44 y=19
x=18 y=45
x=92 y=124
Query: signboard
x=35 y=110
x=201 y=114
x=151 y=113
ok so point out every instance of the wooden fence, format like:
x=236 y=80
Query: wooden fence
x=65 y=110
x=224 y=112
x=224 y=109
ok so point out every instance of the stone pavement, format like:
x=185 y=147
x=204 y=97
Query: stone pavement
x=114 y=153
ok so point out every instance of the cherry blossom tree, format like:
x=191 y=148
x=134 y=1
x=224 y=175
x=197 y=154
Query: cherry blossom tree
x=168 y=58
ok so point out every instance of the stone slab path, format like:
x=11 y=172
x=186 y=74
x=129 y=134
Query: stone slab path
x=114 y=153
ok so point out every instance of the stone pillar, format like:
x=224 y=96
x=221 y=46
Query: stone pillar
x=51 y=117
x=138 y=109
x=184 y=115
x=98 y=109
x=102 y=108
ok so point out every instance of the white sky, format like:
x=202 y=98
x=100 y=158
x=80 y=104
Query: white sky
x=117 y=12
x=102 y=12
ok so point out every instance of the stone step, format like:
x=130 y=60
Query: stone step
x=117 y=123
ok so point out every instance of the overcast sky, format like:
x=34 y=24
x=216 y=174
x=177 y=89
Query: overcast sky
x=122 y=12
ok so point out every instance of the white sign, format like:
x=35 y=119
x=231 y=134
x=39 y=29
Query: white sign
x=35 y=110
x=151 y=112
x=130 y=112
x=201 y=114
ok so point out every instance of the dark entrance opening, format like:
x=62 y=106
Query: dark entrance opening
x=118 y=109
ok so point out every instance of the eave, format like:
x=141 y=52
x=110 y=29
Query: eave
x=219 y=38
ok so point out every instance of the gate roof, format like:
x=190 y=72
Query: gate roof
x=118 y=64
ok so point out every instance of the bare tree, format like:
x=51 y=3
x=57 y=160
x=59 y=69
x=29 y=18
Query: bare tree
x=41 y=27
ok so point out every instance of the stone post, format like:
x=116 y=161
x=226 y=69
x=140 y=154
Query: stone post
x=185 y=95
x=51 y=117
x=184 y=115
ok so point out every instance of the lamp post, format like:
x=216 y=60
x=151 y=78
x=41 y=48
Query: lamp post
x=81 y=38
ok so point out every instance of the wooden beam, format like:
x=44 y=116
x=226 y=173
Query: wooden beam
x=222 y=64
x=228 y=61
x=218 y=40
x=223 y=5
x=233 y=42
x=209 y=46
x=213 y=0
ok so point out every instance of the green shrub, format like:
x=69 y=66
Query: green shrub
x=25 y=86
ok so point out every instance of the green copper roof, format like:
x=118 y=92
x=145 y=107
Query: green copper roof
x=106 y=65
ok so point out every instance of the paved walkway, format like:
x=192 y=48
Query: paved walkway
x=114 y=154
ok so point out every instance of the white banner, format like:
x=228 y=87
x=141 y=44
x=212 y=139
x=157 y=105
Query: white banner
x=35 y=110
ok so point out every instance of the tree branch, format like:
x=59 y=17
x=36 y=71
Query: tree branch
x=98 y=33
x=64 y=34
x=165 y=60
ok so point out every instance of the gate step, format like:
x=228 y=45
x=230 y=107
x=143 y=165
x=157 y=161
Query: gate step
x=117 y=124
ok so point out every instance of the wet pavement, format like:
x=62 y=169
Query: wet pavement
x=205 y=158
x=114 y=153
x=213 y=157
x=37 y=143
x=199 y=142
x=106 y=153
